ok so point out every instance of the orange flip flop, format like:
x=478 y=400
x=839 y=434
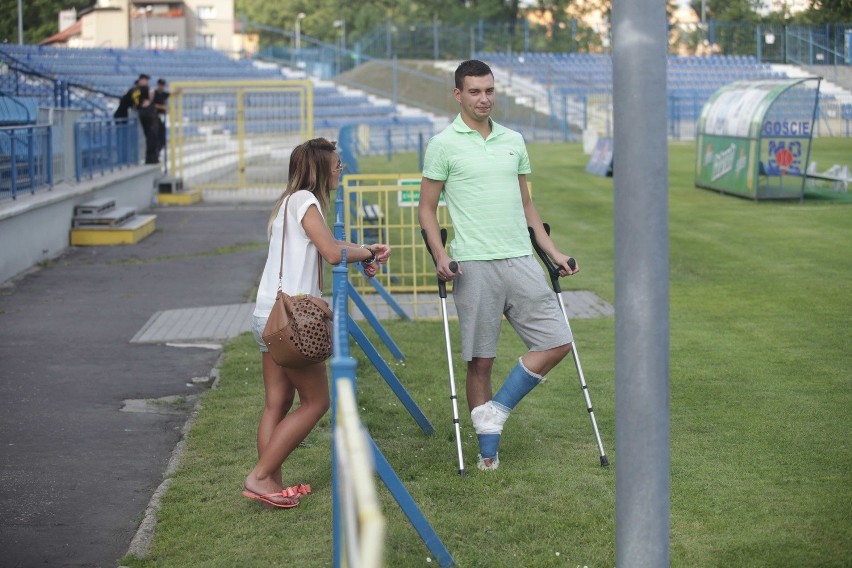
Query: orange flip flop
x=273 y=499
x=296 y=490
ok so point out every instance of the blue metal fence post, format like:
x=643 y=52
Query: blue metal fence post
x=14 y=168
x=78 y=158
x=342 y=366
x=409 y=507
x=134 y=129
x=31 y=158
x=390 y=378
x=375 y=324
x=50 y=157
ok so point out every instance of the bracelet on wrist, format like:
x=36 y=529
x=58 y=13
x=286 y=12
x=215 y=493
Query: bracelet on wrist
x=372 y=259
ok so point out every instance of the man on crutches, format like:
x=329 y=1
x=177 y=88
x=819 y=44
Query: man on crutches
x=481 y=167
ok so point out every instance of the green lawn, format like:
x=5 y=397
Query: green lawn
x=760 y=407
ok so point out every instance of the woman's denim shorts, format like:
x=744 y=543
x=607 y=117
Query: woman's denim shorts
x=257 y=325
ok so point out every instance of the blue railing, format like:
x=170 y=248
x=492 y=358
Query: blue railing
x=25 y=160
x=103 y=145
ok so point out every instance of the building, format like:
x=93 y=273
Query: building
x=150 y=24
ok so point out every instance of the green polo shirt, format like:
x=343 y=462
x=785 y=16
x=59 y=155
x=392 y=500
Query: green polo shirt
x=481 y=189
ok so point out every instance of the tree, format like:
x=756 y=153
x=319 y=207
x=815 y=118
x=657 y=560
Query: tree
x=733 y=10
x=40 y=18
x=829 y=12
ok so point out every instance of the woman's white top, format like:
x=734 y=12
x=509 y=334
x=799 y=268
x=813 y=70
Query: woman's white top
x=300 y=255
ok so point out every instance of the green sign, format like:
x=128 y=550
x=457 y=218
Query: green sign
x=411 y=197
x=726 y=163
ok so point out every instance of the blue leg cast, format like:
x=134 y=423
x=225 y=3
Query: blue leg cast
x=517 y=385
x=488 y=444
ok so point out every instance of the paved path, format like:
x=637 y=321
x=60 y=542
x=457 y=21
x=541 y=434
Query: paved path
x=76 y=472
x=220 y=323
x=88 y=341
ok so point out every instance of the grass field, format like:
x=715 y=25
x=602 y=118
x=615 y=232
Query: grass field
x=761 y=392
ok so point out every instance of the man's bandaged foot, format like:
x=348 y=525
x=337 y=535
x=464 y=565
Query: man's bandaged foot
x=488 y=420
x=489 y=464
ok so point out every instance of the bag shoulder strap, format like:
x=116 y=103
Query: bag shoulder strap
x=281 y=266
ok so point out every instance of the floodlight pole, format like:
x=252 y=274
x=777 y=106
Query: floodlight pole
x=641 y=284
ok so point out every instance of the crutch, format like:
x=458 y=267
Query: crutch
x=553 y=272
x=442 y=292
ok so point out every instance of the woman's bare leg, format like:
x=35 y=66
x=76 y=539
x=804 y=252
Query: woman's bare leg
x=279 y=396
x=312 y=385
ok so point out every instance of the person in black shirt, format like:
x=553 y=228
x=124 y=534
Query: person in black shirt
x=132 y=98
x=150 y=126
x=137 y=98
x=161 y=104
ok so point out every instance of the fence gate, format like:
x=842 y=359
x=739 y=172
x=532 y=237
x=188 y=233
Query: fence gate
x=237 y=135
x=384 y=208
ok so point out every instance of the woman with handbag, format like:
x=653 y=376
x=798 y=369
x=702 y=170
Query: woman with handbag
x=298 y=237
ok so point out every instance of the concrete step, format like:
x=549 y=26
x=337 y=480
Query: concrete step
x=129 y=233
x=114 y=217
x=94 y=207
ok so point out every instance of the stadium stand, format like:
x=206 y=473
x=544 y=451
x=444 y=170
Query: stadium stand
x=39 y=71
x=575 y=89
x=584 y=72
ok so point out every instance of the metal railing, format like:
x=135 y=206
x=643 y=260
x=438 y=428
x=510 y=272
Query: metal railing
x=102 y=146
x=25 y=160
x=24 y=80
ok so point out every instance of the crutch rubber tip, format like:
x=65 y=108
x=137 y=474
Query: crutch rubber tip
x=604 y=461
x=454 y=266
x=462 y=472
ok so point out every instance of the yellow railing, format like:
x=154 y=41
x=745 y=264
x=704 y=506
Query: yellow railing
x=234 y=135
x=383 y=208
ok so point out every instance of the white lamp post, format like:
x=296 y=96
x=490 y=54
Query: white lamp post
x=342 y=25
x=299 y=31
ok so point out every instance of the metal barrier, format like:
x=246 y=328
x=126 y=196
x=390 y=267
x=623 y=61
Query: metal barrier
x=362 y=522
x=101 y=146
x=383 y=208
x=25 y=160
x=235 y=135
x=369 y=544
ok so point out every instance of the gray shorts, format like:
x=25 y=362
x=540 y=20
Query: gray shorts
x=515 y=287
x=257 y=325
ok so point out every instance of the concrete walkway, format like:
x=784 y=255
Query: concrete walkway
x=76 y=471
x=220 y=323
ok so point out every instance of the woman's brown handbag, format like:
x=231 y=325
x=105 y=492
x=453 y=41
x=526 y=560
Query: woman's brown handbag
x=298 y=331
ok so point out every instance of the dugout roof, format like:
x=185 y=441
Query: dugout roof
x=754 y=138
